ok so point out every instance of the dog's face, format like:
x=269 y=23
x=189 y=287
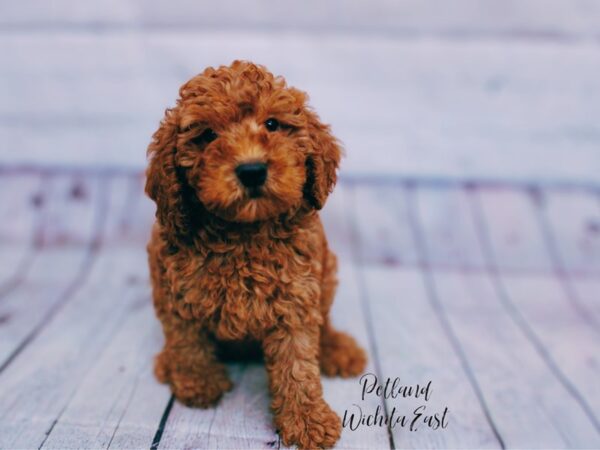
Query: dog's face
x=241 y=145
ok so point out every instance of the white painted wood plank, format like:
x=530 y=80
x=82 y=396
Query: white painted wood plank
x=552 y=19
x=242 y=419
x=401 y=310
x=522 y=391
x=21 y=212
x=382 y=226
x=573 y=220
x=335 y=221
x=133 y=216
x=39 y=383
x=474 y=111
x=413 y=346
x=571 y=343
x=516 y=237
x=519 y=241
x=111 y=384
x=19 y=207
x=128 y=402
x=447 y=224
x=83 y=197
x=523 y=394
x=588 y=294
x=125 y=193
x=135 y=222
x=348 y=315
x=24 y=310
x=54 y=268
x=141 y=418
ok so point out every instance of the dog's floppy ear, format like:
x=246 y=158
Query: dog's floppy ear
x=165 y=183
x=322 y=161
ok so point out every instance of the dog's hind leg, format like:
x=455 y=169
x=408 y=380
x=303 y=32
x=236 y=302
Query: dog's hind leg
x=340 y=355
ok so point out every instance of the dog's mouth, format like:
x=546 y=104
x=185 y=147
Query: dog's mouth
x=255 y=192
x=249 y=198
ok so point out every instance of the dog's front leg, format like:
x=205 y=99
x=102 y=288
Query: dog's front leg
x=188 y=363
x=301 y=414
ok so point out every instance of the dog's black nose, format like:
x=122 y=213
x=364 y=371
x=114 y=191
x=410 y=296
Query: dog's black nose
x=252 y=175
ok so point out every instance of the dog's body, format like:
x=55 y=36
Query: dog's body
x=239 y=263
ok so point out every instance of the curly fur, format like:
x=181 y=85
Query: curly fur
x=235 y=271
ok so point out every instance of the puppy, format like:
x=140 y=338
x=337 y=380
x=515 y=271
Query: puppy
x=238 y=257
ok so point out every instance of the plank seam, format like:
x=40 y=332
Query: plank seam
x=482 y=269
x=538 y=200
x=119 y=324
x=356 y=259
x=141 y=368
x=376 y=179
x=514 y=313
x=436 y=304
x=451 y=34
x=161 y=425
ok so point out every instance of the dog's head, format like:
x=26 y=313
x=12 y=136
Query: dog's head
x=239 y=145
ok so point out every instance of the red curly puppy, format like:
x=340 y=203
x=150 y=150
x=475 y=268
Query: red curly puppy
x=238 y=257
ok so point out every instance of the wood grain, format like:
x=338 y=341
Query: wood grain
x=515 y=235
x=588 y=293
x=531 y=324
x=445 y=219
x=96 y=412
x=571 y=225
x=380 y=222
x=39 y=383
x=396 y=112
x=520 y=391
x=571 y=344
x=411 y=336
x=22 y=210
x=413 y=346
x=430 y=285
x=550 y=19
x=334 y=217
x=348 y=315
x=55 y=271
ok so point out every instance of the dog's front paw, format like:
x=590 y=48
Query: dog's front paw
x=314 y=426
x=199 y=390
x=341 y=355
x=192 y=384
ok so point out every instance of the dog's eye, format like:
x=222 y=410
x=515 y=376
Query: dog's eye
x=272 y=124
x=208 y=135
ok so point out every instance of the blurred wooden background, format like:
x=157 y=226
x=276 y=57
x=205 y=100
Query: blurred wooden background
x=467 y=219
x=501 y=89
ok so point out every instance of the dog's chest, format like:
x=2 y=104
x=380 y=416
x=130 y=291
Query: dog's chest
x=243 y=290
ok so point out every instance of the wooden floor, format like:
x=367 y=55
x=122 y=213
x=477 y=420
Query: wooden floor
x=491 y=292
